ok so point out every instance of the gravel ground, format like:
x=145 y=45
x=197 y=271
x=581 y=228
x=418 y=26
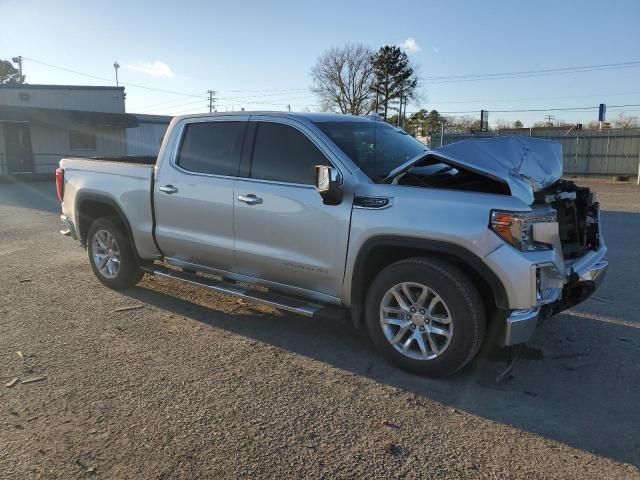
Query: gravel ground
x=198 y=385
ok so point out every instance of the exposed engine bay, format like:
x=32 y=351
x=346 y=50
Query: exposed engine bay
x=441 y=175
x=577 y=212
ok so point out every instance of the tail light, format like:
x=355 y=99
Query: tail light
x=60 y=183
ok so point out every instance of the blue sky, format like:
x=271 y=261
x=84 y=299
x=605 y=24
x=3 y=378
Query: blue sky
x=257 y=55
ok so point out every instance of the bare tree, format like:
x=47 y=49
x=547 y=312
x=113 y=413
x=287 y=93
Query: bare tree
x=501 y=124
x=342 y=78
x=626 y=121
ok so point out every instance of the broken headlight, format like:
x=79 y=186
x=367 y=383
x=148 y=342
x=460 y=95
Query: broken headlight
x=516 y=228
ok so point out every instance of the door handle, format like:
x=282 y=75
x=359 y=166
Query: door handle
x=250 y=199
x=169 y=189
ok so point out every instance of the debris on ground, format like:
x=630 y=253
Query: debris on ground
x=572 y=368
x=571 y=355
x=530 y=393
x=624 y=339
x=20 y=355
x=600 y=299
x=390 y=448
x=388 y=423
x=24 y=280
x=11 y=382
x=34 y=379
x=126 y=309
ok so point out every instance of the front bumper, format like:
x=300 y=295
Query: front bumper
x=585 y=276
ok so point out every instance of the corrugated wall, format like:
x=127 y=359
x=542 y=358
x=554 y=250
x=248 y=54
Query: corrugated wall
x=50 y=144
x=145 y=139
x=586 y=152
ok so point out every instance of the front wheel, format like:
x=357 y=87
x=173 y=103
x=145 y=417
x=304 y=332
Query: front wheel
x=111 y=255
x=426 y=316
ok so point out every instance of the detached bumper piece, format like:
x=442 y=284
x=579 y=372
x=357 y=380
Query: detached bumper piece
x=586 y=276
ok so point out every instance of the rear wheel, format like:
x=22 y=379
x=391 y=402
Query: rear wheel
x=111 y=254
x=426 y=316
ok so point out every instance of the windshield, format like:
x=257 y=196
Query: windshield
x=376 y=147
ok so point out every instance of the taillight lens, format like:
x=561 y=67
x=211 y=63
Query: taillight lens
x=60 y=183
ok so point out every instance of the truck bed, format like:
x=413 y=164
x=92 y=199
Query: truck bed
x=125 y=184
x=135 y=159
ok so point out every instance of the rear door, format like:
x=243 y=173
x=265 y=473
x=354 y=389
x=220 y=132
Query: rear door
x=17 y=141
x=194 y=193
x=284 y=232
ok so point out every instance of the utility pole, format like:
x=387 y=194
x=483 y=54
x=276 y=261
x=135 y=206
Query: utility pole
x=116 y=66
x=18 y=60
x=549 y=118
x=211 y=100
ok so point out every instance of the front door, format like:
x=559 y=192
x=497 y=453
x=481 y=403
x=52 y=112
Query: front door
x=194 y=193
x=284 y=232
x=17 y=144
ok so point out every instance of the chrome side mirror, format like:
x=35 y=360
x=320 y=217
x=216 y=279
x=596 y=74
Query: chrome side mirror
x=328 y=184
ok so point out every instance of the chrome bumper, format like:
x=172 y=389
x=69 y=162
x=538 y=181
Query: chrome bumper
x=520 y=324
x=69 y=230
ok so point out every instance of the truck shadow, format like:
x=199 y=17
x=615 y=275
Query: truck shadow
x=34 y=195
x=583 y=392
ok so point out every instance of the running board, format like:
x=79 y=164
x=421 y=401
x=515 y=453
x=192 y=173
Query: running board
x=283 y=302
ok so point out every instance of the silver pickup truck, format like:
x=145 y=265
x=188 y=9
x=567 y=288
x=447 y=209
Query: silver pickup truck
x=322 y=214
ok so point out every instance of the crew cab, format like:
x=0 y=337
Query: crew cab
x=322 y=214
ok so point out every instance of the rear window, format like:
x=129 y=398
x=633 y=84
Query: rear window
x=212 y=147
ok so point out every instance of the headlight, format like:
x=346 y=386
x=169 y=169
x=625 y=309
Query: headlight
x=516 y=228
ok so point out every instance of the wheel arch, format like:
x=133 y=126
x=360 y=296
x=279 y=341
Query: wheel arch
x=381 y=251
x=92 y=206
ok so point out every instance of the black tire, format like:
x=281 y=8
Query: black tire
x=462 y=299
x=128 y=273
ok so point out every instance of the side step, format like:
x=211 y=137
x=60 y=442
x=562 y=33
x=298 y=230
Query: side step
x=283 y=302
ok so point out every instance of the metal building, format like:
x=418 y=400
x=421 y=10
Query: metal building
x=40 y=124
x=146 y=138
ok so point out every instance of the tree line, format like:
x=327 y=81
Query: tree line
x=355 y=79
x=358 y=80
x=9 y=74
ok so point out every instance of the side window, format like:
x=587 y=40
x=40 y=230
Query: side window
x=212 y=147
x=284 y=154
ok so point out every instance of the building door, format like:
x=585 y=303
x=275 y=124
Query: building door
x=17 y=145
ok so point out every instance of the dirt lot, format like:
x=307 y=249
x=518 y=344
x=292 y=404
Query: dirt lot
x=195 y=385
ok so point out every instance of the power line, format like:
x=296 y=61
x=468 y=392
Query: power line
x=168 y=107
x=506 y=100
x=98 y=77
x=557 y=109
x=110 y=80
x=179 y=100
x=529 y=73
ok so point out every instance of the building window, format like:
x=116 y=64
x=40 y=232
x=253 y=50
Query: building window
x=82 y=141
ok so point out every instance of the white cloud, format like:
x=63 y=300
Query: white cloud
x=157 y=69
x=411 y=45
x=435 y=49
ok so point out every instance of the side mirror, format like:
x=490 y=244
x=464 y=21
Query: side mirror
x=328 y=184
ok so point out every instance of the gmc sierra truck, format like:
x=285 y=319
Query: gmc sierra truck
x=320 y=214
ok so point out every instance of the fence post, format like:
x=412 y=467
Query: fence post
x=606 y=156
x=577 y=146
x=638 y=182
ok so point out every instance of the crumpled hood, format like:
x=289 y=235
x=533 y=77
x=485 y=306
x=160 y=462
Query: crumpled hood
x=526 y=164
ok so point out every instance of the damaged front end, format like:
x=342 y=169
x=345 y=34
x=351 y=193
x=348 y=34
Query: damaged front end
x=583 y=249
x=558 y=256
